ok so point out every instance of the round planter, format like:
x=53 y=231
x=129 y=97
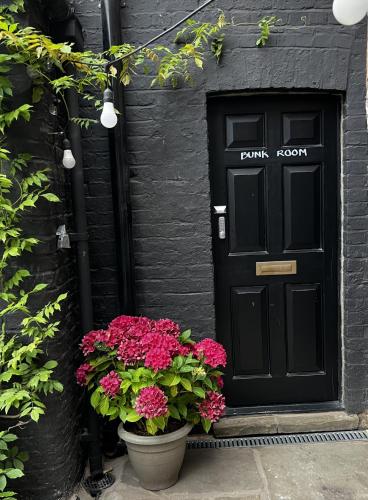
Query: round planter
x=157 y=460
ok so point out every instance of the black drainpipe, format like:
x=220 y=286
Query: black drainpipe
x=80 y=237
x=111 y=29
x=67 y=28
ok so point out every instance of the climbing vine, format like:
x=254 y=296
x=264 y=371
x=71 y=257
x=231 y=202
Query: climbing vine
x=25 y=375
x=266 y=24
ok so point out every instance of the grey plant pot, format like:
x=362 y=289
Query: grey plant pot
x=156 y=460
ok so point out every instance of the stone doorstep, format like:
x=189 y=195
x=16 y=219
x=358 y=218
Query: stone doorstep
x=289 y=423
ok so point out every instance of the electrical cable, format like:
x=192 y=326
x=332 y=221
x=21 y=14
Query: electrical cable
x=108 y=64
x=160 y=35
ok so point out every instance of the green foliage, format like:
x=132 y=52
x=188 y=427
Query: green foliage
x=266 y=24
x=29 y=47
x=25 y=377
x=25 y=374
x=83 y=122
x=167 y=65
x=9 y=8
x=11 y=463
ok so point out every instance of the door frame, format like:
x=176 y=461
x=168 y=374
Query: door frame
x=319 y=406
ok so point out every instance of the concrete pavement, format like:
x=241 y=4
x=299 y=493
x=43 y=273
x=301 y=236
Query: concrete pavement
x=326 y=471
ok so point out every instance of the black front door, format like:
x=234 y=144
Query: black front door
x=274 y=182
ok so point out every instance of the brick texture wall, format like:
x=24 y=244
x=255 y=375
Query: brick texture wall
x=168 y=157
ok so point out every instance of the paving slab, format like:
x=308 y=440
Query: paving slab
x=204 y=476
x=325 y=471
x=329 y=471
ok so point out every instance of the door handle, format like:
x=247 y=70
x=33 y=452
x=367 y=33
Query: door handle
x=221 y=228
x=221 y=210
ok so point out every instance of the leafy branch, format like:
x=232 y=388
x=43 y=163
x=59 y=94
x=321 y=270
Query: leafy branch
x=266 y=24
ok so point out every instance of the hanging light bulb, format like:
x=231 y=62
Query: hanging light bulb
x=68 y=158
x=349 y=12
x=108 y=116
x=53 y=107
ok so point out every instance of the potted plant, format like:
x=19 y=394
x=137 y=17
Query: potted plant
x=159 y=383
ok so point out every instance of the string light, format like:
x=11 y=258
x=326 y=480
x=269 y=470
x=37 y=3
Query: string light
x=108 y=116
x=349 y=13
x=68 y=158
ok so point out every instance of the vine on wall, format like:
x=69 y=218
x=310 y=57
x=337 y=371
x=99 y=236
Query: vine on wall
x=24 y=376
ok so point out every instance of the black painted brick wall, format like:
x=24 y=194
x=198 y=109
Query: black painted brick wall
x=167 y=141
x=53 y=444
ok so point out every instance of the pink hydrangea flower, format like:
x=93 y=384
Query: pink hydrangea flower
x=111 y=383
x=212 y=352
x=130 y=351
x=167 y=327
x=89 y=340
x=158 y=359
x=82 y=372
x=143 y=327
x=123 y=322
x=213 y=407
x=155 y=340
x=129 y=327
x=151 y=403
x=111 y=337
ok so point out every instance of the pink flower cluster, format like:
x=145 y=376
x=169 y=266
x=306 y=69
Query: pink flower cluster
x=212 y=352
x=159 y=348
x=89 y=341
x=111 y=383
x=82 y=372
x=155 y=343
x=151 y=403
x=138 y=339
x=212 y=408
x=130 y=351
x=167 y=327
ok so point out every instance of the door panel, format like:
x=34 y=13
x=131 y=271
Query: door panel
x=303 y=326
x=302 y=207
x=250 y=331
x=274 y=166
x=245 y=131
x=301 y=128
x=247 y=196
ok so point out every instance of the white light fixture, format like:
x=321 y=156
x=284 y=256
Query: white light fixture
x=349 y=12
x=68 y=158
x=108 y=116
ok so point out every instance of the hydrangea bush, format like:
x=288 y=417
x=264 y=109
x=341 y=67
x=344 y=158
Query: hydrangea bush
x=147 y=372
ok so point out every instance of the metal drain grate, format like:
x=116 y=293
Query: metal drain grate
x=95 y=486
x=246 y=442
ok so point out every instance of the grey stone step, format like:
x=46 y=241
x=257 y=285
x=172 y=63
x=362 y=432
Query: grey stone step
x=287 y=423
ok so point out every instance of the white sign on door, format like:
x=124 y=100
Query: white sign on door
x=252 y=155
